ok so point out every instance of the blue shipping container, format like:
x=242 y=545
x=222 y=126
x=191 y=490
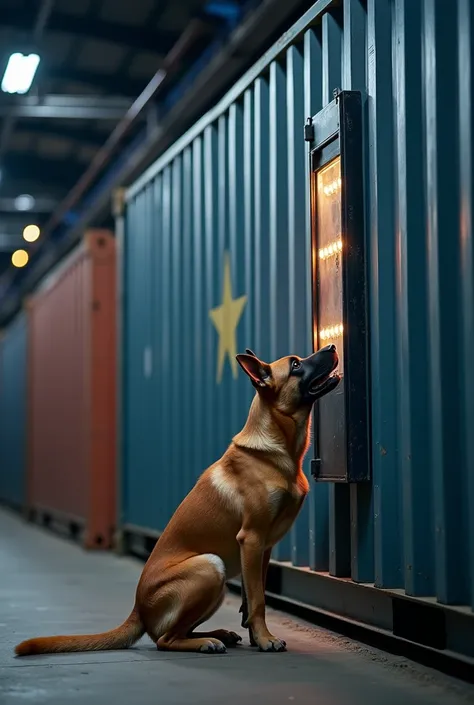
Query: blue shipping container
x=13 y=412
x=217 y=257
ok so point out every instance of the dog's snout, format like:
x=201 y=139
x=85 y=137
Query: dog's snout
x=329 y=348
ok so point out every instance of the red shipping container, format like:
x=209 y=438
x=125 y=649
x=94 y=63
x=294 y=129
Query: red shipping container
x=72 y=393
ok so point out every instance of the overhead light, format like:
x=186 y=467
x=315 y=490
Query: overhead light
x=25 y=202
x=31 y=233
x=20 y=73
x=20 y=258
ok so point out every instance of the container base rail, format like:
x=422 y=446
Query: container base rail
x=12 y=505
x=68 y=526
x=434 y=635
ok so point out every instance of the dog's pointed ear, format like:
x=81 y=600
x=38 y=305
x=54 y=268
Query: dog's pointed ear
x=259 y=372
x=250 y=352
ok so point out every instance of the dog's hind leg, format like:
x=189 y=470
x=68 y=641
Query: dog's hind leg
x=227 y=637
x=198 y=588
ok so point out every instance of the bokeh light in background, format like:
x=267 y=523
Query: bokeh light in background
x=25 y=202
x=31 y=233
x=20 y=258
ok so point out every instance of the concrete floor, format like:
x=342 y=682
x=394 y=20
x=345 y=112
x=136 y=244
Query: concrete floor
x=50 y=586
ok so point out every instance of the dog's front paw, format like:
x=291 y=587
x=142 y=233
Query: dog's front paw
x=270 y=643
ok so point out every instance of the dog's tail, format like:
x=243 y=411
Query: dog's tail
x=120 y=638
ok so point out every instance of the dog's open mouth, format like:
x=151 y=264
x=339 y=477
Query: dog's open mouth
x=323 y=384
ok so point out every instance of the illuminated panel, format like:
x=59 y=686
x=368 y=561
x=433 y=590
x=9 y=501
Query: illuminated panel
x=341 y=442
x=331 y=332
x=331 y=250
x=330 y=245
x=328 y=253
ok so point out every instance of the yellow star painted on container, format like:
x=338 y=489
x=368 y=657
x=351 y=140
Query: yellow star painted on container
x=226 y=318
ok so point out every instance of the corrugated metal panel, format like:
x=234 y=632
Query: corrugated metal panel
x=72 y=346
x=13 y=413
x=229 y=224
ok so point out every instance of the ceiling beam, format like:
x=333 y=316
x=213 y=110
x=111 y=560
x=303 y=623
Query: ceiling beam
x=15 y=222
x=69 y=131
x=11 y=186
x=10 y=242
x=70 y=107
x=140 y=38
x=42 y=18
x=43 y=204
x=41 y=171
x=117 y=84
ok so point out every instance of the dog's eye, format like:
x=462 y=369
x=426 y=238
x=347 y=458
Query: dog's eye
x=295 y=364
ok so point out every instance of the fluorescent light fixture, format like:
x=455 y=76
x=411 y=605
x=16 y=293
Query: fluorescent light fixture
x=20 y=73
x=25 y=202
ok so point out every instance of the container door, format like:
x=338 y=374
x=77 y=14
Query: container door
x=13 y=418
x=139 y=360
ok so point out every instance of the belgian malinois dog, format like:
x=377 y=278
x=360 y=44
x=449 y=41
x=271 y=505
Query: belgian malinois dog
x=239 y=508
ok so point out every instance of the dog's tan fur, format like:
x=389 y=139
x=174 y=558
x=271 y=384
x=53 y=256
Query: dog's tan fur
x=237 y=511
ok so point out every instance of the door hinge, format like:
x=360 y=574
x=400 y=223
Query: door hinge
x=309 y=130
x=316 y=467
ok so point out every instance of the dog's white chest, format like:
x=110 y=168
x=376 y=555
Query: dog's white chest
x=227 y=491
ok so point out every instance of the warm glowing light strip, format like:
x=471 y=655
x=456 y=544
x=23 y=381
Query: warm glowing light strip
x=331 y=332
x=330 y=250
x=333 y=187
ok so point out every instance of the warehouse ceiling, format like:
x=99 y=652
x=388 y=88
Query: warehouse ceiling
x=107 y=50
x=96 y=58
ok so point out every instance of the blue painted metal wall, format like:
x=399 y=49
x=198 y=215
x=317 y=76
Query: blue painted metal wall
x=13 y=412
x=228 y=204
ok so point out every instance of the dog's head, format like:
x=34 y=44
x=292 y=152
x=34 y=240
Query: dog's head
x=293 y=383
